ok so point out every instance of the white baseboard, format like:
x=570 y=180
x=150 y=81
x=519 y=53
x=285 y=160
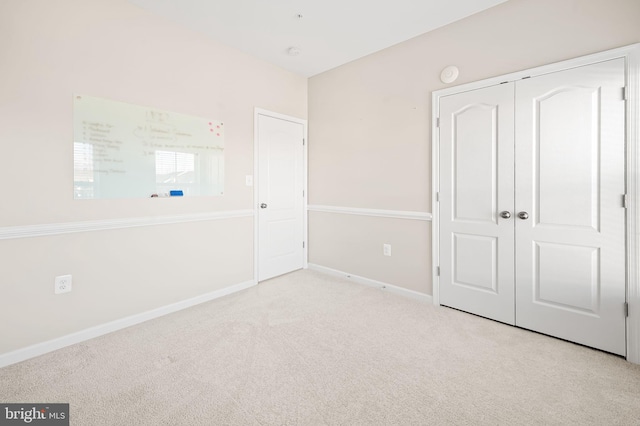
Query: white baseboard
x=99 y=330
x=372 y=283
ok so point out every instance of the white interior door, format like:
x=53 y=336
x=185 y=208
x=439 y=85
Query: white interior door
x=570 y=251
x=280 y=195
x=557 y=264
x=476 y=185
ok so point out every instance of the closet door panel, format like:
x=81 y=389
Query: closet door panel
x=476 y=185
x=570 y=264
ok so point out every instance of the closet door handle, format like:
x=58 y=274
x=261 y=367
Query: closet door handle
x=505 y=214
x=263 y=206
x=523 y=215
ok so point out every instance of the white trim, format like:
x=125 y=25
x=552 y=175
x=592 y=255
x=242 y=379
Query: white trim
x=633 y=205
x=621 y=52
x=256 y=185
x=435 y=188
x=41 y=230
x=394 y=214
x=99 y=330
x=256 y=198
x=372 y=283
x=632 y=55
x=305 y=198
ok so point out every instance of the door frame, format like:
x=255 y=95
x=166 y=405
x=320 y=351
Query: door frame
x=631 y=54
x=256 y=186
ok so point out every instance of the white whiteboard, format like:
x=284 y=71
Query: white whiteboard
x=130 y=151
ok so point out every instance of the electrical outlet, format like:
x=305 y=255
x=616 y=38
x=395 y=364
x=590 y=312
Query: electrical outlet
x=62 y=284
x=386 y=249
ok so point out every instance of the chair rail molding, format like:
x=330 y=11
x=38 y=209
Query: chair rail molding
x=392 y=214
x=42 y=230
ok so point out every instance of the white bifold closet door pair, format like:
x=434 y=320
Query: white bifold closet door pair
x=532 y=219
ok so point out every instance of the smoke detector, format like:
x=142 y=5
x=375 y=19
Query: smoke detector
x=449 y=74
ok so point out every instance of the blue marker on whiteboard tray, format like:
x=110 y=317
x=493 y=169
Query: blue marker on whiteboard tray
x=176 y=193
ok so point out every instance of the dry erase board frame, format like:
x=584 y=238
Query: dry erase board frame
x=123 y=150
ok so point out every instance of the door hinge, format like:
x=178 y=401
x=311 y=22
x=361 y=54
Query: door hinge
x=624 y=201
x=437 y=197
x=303 y=244
x=437 y=271
x=626 y=309
x=624 y=93
x=437 y=121
x=302 y=141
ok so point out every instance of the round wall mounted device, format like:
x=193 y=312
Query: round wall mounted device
x=449 y=74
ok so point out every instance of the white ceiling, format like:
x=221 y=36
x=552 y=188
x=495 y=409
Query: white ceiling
x=329 y=33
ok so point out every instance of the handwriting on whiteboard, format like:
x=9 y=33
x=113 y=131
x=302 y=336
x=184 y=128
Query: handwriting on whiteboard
x=123 y=150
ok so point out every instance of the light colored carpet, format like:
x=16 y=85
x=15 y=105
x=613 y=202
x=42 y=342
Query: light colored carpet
x=308 y=349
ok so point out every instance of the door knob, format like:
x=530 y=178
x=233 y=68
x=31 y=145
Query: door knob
x=523 y=215
x=263 y=206
x=505 y=214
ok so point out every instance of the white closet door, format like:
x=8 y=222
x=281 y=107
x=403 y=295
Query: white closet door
x=570 y=250
x=476 y=185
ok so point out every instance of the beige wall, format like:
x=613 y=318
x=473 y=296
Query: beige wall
x=50 y=50
x=369 y=122
x=369 y=147
x=360 y=240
